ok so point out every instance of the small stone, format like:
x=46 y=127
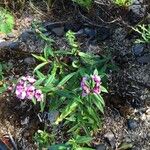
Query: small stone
x=101 y=147
x=88 y=32
x=52 y=116
x=137 y=49
x=110 y=138
x=143 y=117
x=132 y=124
x=148 y=134
x=29 y=61
x=11 y=35
x=25 y=121
x=58 y=31
x=27 y=35
x=144 y=59
x=14 y=45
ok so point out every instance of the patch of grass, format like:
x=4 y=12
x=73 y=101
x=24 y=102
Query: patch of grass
x=144 y=31
x=6 y=21
x=123 y=3
x=85 y=3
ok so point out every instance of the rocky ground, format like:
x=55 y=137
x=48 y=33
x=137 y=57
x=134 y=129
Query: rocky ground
x=127 y=115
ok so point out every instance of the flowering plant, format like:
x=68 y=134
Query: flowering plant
x=83 y=111
x=25 y=89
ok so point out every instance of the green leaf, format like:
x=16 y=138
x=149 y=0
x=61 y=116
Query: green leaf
x=40 y=75
x=40 y=58
x=42 y=105
x=34 y=101
x=49 y=80
x=39 y=82
x=98 y=103
x=40 y=66
x=48 y=52
x=103 y=89
x=67 y=111
x=95 y=72
x=84 y=148
x=58 y=147
x=85 y=55
x=66 y=78
x=6 y=21
x=125 y=146
x=3 y=89
x=83 y=139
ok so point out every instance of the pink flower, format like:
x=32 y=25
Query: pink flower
x=85 y=88
x=96 y=78
x=96 y=90
x=30 y=92
x=38 y=95
x=30 y=79
x=20 y=92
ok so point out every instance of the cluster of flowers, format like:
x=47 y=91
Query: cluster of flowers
x=24 y=89
x=87 y=89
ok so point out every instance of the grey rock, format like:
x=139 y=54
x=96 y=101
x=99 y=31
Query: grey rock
x=101 y=147
x=25 y=121
x=110 y=138
x=144 y=59
x=27 y=35
x=138 y=49
x=52 y=116
x=138 y=8
x=14 y=45
x=58 y=31
x=132 y=124
x=148 y=135
x=29 y=61
x=89 y=32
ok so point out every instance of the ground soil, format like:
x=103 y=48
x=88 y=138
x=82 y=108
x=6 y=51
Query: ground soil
x=129 y=95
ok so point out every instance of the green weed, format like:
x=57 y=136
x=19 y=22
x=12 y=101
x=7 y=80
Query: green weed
x=6 y=21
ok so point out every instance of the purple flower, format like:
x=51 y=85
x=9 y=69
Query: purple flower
x=85 y=88
x=20 y=91
x=96 y=90
x=38 y=95
x=30 y=79
x=30 y=92
x=96 y=78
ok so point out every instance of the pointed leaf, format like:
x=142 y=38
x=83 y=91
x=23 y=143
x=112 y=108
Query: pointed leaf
x=103 y=89
x=40 y=66
x=67 y=111
x=66 y=78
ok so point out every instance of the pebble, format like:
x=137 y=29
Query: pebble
x=58 y=31
x=52 y=116
x=132 y=124
x=27 y=35
x=148 y=134
x=89 y=32
x=137 y=49
x=14 y=45
x=11 y=35
x=101 y=147
x=110 y=138
x=29 y=61
x=138 y=8
x=144 y=59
